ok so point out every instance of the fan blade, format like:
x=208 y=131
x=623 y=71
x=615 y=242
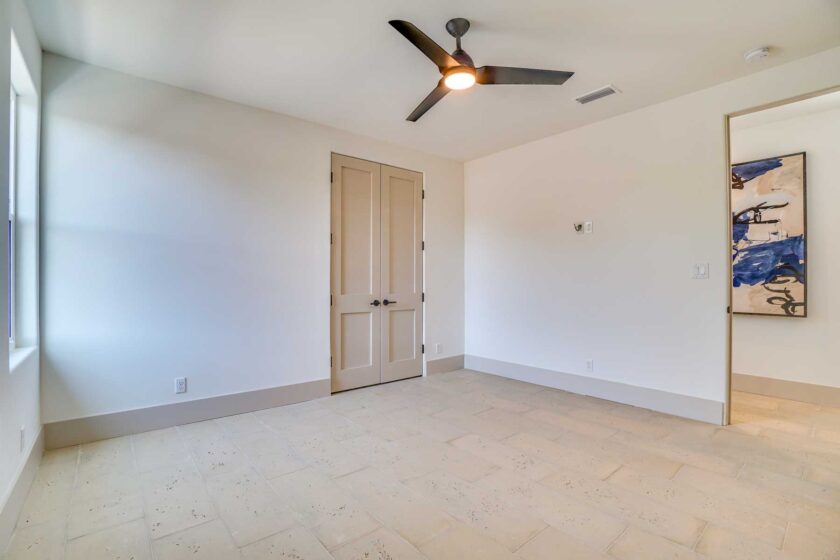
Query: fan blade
x=498 y=75
x=436 y=95
x=428 y=47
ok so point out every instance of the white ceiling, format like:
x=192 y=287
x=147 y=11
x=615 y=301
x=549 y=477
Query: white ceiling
x=818 y=104
x=339 y=63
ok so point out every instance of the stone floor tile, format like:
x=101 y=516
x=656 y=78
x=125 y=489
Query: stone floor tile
x=210 y=541
x=123 y=542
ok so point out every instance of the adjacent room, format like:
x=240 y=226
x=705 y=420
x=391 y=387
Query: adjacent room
x=786 y=321
x=389 y=280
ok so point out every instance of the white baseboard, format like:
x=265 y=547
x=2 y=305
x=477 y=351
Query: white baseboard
x=444 y=365
x=823 y=395
x=94 y=428
x=676 y=404
x=11 y=508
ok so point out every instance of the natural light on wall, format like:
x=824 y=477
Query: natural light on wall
x=22 y=253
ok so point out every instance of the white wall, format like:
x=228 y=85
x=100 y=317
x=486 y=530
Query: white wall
x=804 y=350
x=19 y=381
x=188 y=236
x=654 y=182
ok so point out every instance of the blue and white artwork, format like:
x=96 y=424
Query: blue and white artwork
x=768 y=237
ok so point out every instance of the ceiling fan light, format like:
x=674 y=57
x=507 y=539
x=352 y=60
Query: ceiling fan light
x=460 y=78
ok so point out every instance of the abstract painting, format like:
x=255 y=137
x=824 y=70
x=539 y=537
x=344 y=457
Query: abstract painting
x=768 y=237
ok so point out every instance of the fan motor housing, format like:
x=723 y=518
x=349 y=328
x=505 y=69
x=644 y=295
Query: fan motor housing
x=461 y=56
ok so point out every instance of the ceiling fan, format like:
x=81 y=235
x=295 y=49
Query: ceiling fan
x=458 y=69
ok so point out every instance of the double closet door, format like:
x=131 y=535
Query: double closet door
x=377 y=273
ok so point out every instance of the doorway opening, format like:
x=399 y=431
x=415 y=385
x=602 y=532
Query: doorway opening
x=784 y=194
x=376 y=278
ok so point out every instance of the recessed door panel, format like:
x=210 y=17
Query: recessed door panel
x=402 y=231
x=357 y=231
x=356 y=340
x=401 y=335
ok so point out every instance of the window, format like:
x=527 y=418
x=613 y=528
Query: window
x=22 y=199
x=12 y=208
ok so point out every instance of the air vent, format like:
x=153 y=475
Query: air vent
x=597 y=94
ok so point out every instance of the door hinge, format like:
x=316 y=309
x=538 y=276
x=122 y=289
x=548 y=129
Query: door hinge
x=728 y=310
x=422 y=348
x=330 y=300
x=422 y=245
x=423 y=296
x=331 y=361
x=331 y=239
x=423 y=195
x=331 y=176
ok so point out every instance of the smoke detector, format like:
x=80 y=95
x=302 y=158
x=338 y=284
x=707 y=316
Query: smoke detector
x=756 y=55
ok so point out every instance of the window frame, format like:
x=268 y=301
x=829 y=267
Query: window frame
x=12 y=269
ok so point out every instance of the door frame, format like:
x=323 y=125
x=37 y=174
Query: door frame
x=727 y=403
x=422 y=267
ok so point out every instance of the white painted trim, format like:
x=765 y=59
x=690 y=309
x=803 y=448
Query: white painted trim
x=94 y=428
x=823 y=395
x=686 y=406
x=19 y=355
x=16 y=497
x=444 y=365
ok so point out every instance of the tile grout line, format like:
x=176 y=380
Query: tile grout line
x=259 y=474
x=142 y=497
x=274 y=491
x=70 y=499
x=204 y=486
x=532 y=537
x=700 y=535
x=785 y=536
x=676 y=472
x=613 y=542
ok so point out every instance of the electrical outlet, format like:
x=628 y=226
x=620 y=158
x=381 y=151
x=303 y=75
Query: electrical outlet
x=22 y=438
x=700 y=271
x=590 y=365
x=438 y=348
x=180 y=385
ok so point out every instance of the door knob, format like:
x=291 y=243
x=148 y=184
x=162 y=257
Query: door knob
x=387 y=302
x=375 y=303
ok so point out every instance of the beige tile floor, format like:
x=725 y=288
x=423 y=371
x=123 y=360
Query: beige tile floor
x=455 y=466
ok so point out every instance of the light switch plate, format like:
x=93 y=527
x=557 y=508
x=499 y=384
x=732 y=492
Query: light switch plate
x=587 y=227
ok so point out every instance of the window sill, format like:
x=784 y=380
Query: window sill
x=19 y=355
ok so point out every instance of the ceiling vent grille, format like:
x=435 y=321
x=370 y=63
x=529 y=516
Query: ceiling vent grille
x=597 y=94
